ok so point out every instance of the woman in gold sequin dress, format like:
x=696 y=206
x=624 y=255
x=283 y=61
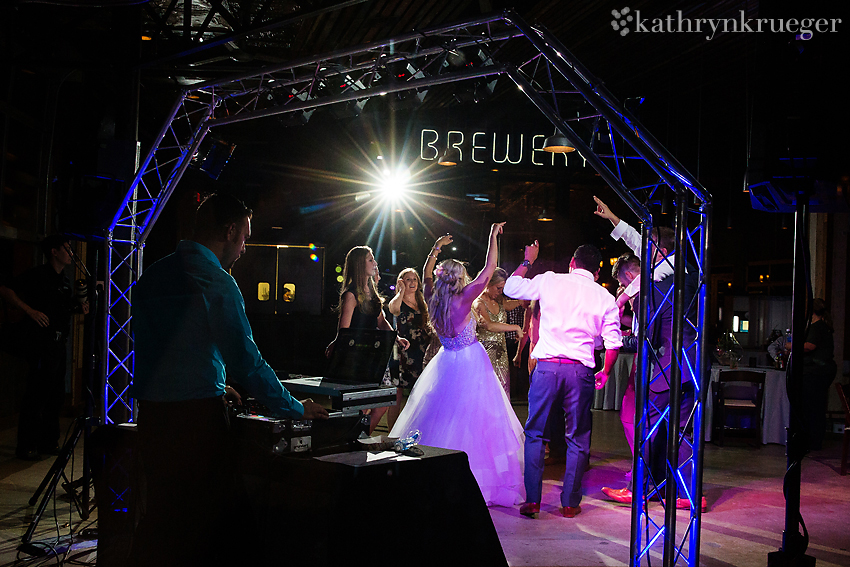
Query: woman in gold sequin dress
x=491 y=310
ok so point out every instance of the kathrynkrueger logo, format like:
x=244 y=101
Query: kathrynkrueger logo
x=803 y=28
x=621 y=20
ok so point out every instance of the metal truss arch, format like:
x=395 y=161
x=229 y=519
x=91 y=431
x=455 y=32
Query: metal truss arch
x=625 y=154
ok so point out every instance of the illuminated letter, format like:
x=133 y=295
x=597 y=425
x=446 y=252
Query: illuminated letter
x=450 y=145
x=536 y=149
x=474 y=147
x=565 y=154
x=507 y=151
x=423 y=145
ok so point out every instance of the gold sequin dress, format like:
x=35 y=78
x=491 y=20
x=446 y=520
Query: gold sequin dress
x=497 y=350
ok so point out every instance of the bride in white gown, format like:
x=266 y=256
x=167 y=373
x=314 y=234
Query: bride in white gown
x=457 y=401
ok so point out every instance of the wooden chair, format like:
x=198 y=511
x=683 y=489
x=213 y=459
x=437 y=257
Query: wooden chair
x=739 y=393
x=842 y=395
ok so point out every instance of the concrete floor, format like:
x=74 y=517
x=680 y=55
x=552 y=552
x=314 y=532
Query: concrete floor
x=743 y=486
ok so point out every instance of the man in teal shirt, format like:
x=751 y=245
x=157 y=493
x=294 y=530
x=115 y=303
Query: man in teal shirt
x=190 y=331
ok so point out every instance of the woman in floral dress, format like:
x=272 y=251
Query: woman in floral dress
x=411 y=313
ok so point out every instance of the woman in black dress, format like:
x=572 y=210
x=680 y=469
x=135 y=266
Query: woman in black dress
x=360 y=304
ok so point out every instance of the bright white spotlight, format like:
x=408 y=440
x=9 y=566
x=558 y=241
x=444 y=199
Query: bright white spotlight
x=394 y=183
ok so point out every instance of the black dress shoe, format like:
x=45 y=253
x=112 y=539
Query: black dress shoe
x=27 y=454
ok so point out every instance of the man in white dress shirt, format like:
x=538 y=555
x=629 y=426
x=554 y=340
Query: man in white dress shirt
x=574 y=310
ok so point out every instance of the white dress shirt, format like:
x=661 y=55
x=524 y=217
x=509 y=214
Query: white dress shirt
x=574 y=309
x=632 y=238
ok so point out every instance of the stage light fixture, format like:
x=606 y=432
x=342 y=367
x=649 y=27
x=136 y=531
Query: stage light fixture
x=557 y=144
x=544 y=216
x=394 y=184
x=449 y=158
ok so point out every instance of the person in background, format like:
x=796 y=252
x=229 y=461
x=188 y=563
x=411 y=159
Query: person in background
x=44 y=294
x=491 y=309
x=819 y=371
x=515 y=317
x=411 y=313
x=625 y=270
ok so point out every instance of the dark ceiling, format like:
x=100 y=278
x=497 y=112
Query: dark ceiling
x=110 y=72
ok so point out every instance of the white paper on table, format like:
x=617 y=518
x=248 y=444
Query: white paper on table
x=371 y=457
x=408 y=458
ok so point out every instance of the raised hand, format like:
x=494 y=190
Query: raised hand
x=603 y=211
x=497 y=228
x=443 y=240
x=531 y=251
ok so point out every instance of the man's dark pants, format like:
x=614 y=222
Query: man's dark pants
x=38 y=422
x=570 y=387
x=186 y=457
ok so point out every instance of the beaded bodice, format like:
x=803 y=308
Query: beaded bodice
x=463 y=339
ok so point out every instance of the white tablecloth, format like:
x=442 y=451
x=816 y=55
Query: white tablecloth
x=775 y=406
x=611 y=396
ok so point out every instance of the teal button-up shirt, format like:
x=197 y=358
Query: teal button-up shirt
x=190 y=330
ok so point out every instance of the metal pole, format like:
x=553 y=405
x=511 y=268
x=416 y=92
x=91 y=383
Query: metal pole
x=641 y=388
x=107 y=304
x=794 y=544
x=703 y=380
x=675 y=400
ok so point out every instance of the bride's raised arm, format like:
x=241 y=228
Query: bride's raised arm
x=474 y=289
x=428 y=269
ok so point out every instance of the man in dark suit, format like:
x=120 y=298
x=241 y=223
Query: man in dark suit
x=659 y=333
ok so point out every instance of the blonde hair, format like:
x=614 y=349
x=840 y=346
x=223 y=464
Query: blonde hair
x=357 y=281
x=420 y=297
x=499 y=275
x=450 y=277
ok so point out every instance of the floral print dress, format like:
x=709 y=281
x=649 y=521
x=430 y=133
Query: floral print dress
x=408 y=324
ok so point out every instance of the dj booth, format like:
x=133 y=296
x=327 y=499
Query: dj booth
x=341 y=508
x=316 y=495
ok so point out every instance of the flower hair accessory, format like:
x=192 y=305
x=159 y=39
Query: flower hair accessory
x=443 y=275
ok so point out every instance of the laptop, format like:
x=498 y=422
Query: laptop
x=360 y=356
x=359 y=361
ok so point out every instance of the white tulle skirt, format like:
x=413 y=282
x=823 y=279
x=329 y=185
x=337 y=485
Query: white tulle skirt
x=458 y=403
